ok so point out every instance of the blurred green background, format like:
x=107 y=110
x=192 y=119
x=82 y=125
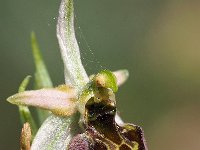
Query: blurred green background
x=157 y=41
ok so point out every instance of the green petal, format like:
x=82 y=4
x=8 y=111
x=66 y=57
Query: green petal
x=106 y=79
x=121 y=76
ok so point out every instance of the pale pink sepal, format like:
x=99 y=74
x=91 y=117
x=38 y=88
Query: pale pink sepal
x=60 y=101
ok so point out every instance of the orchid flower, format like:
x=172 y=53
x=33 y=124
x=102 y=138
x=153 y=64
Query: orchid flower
x=80 y=114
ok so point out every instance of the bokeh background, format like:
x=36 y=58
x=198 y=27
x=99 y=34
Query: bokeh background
x=157 y=41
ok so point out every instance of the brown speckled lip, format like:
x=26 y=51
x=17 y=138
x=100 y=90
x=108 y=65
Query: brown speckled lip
x=103 y=133
x=79 y=142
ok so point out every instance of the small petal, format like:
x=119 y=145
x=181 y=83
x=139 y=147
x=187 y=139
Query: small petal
x=106 y=79
x=122 y=76
x=25 y=139
x=60 y=101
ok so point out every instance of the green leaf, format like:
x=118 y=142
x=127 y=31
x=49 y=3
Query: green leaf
x=24 y=84
x=75 y=73
x=25 y=114
x=42 y=78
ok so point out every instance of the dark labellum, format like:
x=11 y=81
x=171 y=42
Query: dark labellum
x=103 y=133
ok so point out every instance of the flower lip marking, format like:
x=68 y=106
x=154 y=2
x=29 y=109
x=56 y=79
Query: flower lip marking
x=102 y=132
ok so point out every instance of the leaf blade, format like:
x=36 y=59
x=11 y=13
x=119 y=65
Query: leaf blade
x=42 y=77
